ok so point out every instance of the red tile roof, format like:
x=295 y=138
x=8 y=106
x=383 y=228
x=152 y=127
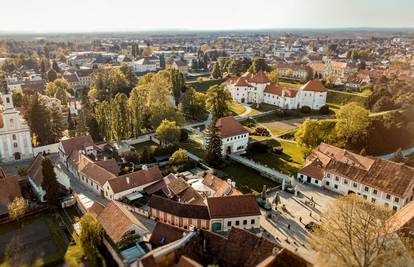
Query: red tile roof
x=314 y=85
x=165 y=233
x=260 y=77
x=220 y=187
x=233 y=206
x=274 y=89
x=178 y=209
x=289 y=92
x=35 y=170
x=135 y=179
x=229 y=127
x=9 y=190
x=242 y=82
x=76 y=143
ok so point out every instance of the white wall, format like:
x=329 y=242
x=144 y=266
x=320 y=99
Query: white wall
x=233 y=222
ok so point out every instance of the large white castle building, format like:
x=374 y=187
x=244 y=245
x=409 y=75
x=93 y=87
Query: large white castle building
x=256 y=88
x=15 y=141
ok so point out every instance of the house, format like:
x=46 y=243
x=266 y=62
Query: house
x=212 y=186
x=380 y=181
x=238 y=248
x=9 y=190
x=180 y=65
x=175 y=187
x=35 y=177
x=15 y=139
x=256 y=88
x=70 y=145
x=220 y=214
x=179 y=214
x=294 y=72
x=165 y=233
x=234 y=137
x=84 y=77
x=146 y=64
x=240 y=211
x=72 y=79
x=32 y=87
x=131 y=182
x=403 y=220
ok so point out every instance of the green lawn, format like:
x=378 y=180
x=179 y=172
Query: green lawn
x=342 y=98
x=247 y=180
x=194 y=148
x=236 y=108
x=289 y=162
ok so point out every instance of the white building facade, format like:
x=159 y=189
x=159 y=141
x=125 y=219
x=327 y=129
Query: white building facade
x=15 y=140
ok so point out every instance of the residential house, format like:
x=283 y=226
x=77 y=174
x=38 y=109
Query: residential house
x=380 y=181
x=294 y=72
x=234 y=137
x=35 y=177
x=165 y=233
x=181 y=65
x=212 y=186
x=9 y=190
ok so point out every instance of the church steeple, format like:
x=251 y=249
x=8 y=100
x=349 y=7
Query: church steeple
x=7 y=100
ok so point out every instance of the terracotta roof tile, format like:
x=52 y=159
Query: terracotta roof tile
x=314 y=85
x=9 y=190
x=178 y=209
x=35 y=170
x=232 y=206
x=76 y=143
x=220 y=187
x=229 y=126
x=274 y=89
x=260 y=78
x=135 y=179
x=165 y=233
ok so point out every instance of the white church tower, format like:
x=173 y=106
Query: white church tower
x=15 y=140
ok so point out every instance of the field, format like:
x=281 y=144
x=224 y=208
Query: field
x=34 y=241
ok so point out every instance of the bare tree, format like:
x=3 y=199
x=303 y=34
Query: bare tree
x=357 y=233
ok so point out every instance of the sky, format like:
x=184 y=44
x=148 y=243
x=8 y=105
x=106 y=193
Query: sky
x=150 y=15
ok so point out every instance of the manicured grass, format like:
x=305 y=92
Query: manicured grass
x=289 y=162
x=236 y=108
x=342 y=98
x=194 y=148
x=247 y=180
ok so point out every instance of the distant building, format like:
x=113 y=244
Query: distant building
x=379 y=181
x=256 y=88
x=234 y=137
x=15 y=140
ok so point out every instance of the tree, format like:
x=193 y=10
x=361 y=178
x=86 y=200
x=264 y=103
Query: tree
x=259 y=64
x=356 y=233
x=214 y=144
x=120 y=117
x=90 y=237
x=106 y=83
x=168 y=132
x=137 y=107
x=57 y=126
x=17 y=208
x=218 y=101
x=59 y=88
x=51 y=75
x=312 y=132
x=17 y=99
x=216 y=73
x=50 y=183
x=352 y=121
x=3 y=82
x=179 y=157
x=38 y=118
x=273 y=76
x=193 y=105
x=130 y=76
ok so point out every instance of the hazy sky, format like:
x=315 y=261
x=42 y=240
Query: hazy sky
x=127 y=15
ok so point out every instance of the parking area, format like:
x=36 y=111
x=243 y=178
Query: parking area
x=288 y=222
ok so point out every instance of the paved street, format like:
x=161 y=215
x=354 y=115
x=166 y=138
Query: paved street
x=286 y=226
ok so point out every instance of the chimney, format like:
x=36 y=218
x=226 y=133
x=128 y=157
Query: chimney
x=127 y=180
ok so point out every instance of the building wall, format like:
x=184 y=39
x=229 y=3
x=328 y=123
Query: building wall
x=179 y=221
x=247 y=222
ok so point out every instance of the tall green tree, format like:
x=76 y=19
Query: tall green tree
x=168 y=132
x=259 y=64
x=352 y=121
x=216 y=72
x=103 y=116
x=214 y=150
x=51 y=75
x=193 y=104
x=50 y=183
x=121 y=125
x=38 y=117
x=138 y=109
x=57 y=126
x=218 y=101
x=91 y=238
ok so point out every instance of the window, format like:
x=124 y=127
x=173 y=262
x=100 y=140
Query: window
x=394 y=208
x=366 y=189
x=229 y=223
x=244 y=222
x=373 y=200
x=336 y=178
x=14 y=137
x=15 y=145
x=396 y=200
x=327 y=183
x=328 y=175
x=253 y=221
x=7 y=99
x=388 y=196
x=316 y=182
x=336 y=186
x=345 y=181
x=237 y=222
x=375 y=191
x=355 y=185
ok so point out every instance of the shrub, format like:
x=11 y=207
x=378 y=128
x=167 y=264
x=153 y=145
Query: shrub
x=305 y=109
x=261 y=131
x=324 y=110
